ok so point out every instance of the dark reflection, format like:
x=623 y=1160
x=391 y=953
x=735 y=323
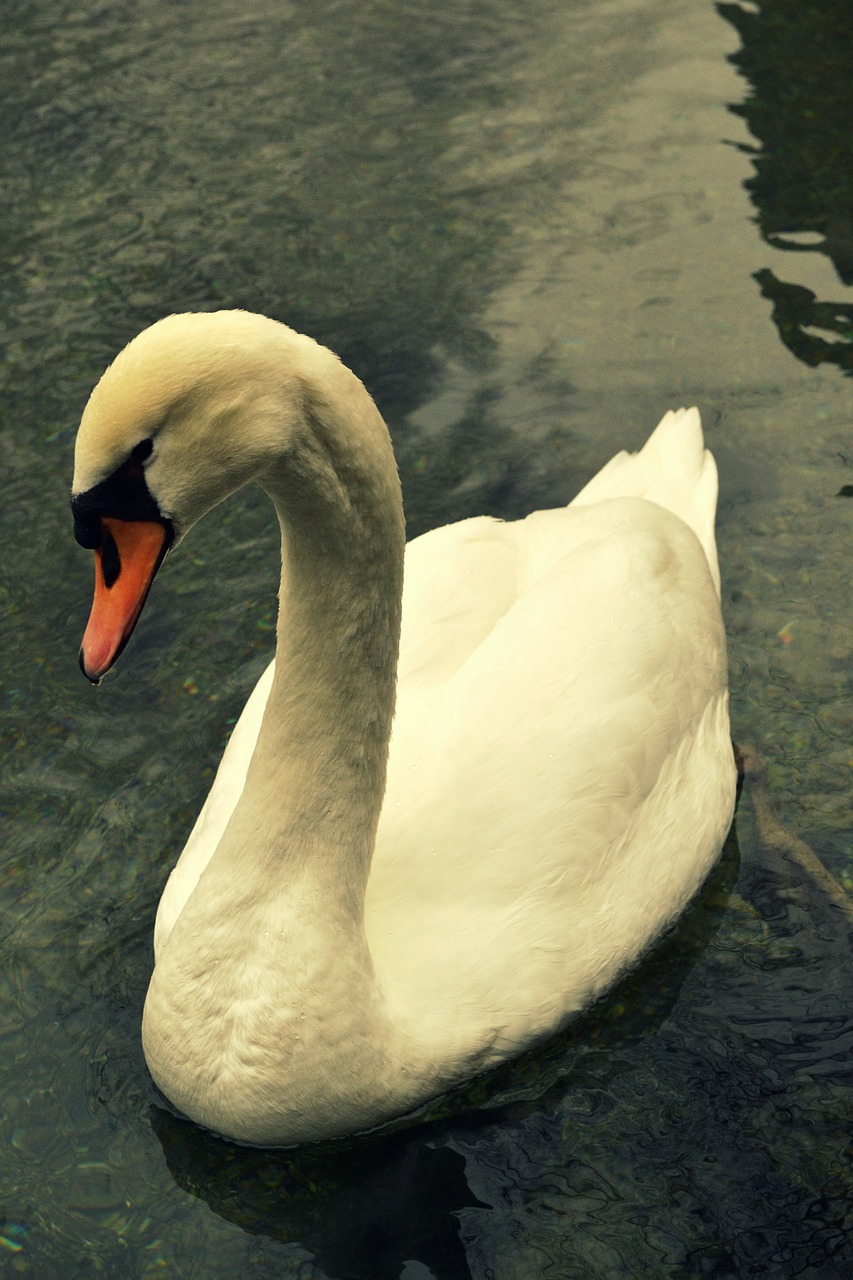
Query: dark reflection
x=798 y=59
x=362 y=1209
x=365 y=1206
x=796 y=310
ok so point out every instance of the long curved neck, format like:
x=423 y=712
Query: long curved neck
x=318 y=771
x=263 y=1018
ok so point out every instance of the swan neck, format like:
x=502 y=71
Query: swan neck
x=319 y=768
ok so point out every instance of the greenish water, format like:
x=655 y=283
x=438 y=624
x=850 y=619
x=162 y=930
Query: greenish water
x=528 y=231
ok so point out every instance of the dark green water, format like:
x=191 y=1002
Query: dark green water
x=528 y=231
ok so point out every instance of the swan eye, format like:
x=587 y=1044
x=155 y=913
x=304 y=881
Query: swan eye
x=142 y=451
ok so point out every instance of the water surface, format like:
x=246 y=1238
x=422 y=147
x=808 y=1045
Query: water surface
x=528 y=232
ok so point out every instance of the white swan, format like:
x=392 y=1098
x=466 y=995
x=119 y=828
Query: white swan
x=560 y=777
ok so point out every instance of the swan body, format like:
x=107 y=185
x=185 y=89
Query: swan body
x=353 y=928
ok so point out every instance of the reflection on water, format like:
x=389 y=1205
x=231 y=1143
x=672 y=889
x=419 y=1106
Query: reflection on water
x=362 y=1211
x=796 y=311
x=799 y=108
x=502 y=217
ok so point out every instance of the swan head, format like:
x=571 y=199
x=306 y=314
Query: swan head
x=192 y=409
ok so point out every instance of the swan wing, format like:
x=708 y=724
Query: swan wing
x=524 y=642
x=561 y=789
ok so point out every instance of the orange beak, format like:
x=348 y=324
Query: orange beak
x=126 y=562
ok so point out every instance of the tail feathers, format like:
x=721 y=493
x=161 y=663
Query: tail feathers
x=673 y=469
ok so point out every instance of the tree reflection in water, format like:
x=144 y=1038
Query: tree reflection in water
x=798 y=57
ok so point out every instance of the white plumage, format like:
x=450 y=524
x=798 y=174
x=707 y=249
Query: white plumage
x=560 y=776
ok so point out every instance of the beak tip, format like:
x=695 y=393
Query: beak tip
x=93 y=679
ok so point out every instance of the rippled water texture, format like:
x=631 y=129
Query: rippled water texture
x=527 y=229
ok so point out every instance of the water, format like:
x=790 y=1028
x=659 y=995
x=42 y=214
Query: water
x=528 y=231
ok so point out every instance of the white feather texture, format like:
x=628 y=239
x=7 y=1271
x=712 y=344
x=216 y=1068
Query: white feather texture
x=334 y=947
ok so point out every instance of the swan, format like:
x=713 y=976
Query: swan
x=354 y=928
